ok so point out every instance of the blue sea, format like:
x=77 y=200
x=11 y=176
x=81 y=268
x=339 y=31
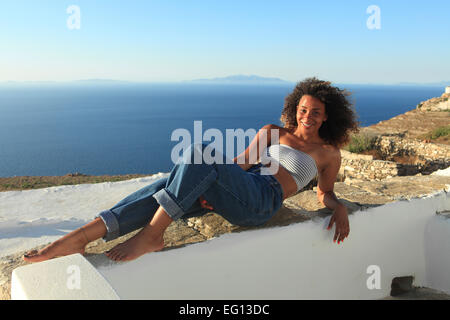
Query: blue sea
x=55 y=129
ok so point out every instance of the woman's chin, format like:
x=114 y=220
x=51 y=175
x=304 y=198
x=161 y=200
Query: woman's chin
x=310 y=128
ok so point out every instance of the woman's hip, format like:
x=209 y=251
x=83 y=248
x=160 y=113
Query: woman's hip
x=245 y=198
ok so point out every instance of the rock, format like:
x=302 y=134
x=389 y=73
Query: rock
x=211 y=225
x=179 y=233
x=401 y=285
x=407 y=187
x=76 y=174
x=357 y=196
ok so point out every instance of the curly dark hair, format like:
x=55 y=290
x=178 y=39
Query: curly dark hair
x=341 y=115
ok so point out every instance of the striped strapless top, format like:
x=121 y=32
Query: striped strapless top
x=300 y=165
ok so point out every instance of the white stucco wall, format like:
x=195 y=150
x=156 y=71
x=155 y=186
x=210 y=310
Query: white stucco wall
x=447 y=89
x=66 y=278
x=300 y=261
x=437 y=253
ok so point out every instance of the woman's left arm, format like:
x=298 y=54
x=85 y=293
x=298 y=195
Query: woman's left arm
x=325 y=194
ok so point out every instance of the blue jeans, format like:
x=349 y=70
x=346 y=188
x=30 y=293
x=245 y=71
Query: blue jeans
x=244 y=198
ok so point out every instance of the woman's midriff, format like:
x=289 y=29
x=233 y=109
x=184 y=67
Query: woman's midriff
x=288 y=184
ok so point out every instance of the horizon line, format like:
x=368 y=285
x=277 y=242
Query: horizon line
x=216 y=80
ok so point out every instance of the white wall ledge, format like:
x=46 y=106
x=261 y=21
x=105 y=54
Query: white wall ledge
x=67 y=278
x=299 y=261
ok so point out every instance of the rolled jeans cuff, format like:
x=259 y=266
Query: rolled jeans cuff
x=111 y=223
x=169 y=205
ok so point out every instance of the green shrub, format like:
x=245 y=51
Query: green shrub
x=439 y=132
x=361 y=142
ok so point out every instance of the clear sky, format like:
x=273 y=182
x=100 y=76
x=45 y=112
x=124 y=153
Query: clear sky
x=172 y=40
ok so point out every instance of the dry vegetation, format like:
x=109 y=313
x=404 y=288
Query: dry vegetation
x=36 y=182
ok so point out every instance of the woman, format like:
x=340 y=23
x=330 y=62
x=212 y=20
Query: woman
x=318 y=119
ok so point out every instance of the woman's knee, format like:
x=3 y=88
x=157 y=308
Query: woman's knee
x=201 y=153
x=144 y=192
x=193 y=154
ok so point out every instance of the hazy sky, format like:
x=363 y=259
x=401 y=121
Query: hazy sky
x=171 y=40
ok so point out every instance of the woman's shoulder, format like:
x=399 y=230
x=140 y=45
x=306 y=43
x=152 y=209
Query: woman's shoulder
x=331 y=154
x=327 y=156
x=281 y=132
x=272 y=126
x=331 y=148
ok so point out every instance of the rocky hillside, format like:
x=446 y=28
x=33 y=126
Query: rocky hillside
x=441 y=103
x=414 y=124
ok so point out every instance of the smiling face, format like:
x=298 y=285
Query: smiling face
x=310 y=114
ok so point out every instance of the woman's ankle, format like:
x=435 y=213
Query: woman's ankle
x=94 y=230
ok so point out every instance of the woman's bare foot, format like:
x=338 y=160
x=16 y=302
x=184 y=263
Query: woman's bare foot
x=74 y=242
x=145 y=241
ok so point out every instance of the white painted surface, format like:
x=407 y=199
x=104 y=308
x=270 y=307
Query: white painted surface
x=294 y=262
x=67 y=278
x=442 y=172
x=34 y=217
x=300 y=261
x=437 y=249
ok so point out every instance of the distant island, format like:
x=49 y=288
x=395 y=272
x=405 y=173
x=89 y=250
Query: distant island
x=241 y=79
x=101 y=81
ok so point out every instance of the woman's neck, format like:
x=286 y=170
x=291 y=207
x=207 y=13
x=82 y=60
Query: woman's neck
x=307 y=137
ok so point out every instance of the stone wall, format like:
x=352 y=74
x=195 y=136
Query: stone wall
x=428 y=157
x=363 y=167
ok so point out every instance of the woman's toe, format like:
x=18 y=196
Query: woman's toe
x=30 y=254
x=112 y=254
x=118 y=256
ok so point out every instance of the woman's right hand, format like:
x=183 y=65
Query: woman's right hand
x=204 y=203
